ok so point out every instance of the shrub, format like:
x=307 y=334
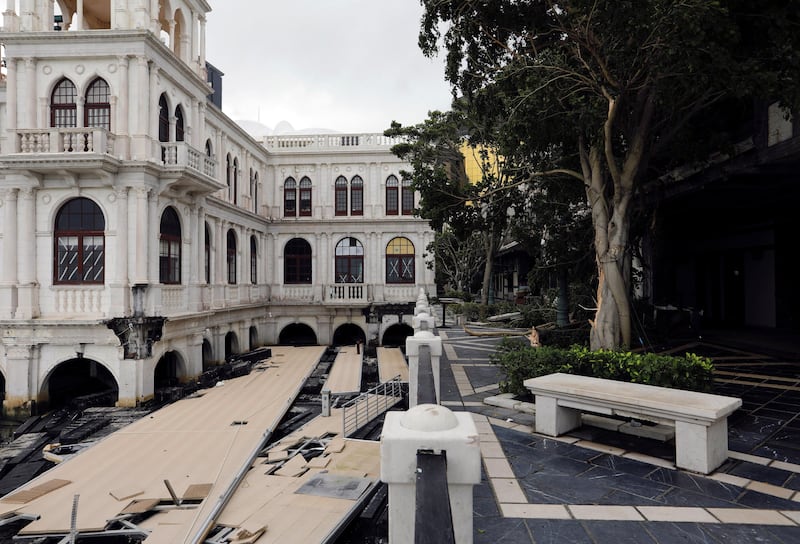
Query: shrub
x=521 y=362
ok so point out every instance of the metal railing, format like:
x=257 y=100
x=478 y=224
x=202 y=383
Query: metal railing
x=359 y=411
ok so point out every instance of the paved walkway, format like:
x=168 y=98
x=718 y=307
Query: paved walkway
x=598 y=486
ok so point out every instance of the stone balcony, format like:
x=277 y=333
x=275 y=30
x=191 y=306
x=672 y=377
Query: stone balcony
x=314 y=143
x=64 y=140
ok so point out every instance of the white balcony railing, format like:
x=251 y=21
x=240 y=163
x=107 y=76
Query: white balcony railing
x=347 y=292
x=323 y=142
x=182 y=155
x=78 y=301
x=64 y=140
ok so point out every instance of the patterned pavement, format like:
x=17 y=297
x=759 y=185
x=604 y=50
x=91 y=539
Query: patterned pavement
x=597 y=485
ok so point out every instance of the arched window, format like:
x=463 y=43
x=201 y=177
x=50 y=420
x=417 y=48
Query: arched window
x=63 y=110
x=230 y=251
x=400 y=261
x=297 y=261
x=209 y=149
x=340 y=196
x=305 y=197
x=349 y=261
x=163 y=119
x=356 y=196
x=207 y=255
x=253 y=260
x=179 y=124
x=236 y=180
x=97 y=112
x=79 y=243
x=290 y=197
x=391 y=196
x=408 y=197
x=228 y=175
x=169 y=254
x=255 y=193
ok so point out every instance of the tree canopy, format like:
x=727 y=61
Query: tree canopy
x=606 y=93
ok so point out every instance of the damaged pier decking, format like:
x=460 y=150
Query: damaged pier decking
x=391 y=364
x=345 y=374
x=194 y=450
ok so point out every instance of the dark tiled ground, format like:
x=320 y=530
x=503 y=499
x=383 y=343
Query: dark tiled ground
x=552 y=472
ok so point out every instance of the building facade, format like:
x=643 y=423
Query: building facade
x=145 y=236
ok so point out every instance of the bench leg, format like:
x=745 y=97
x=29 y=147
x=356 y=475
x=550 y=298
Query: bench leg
x=700 y=448
x=554 y=420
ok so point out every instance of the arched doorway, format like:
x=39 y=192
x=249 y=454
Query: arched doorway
x=168 y=371
x=253 y=338
x=297 y=334
x=75 y=378
x=395 y=336
x=348 y=335
x=231 y=345
x=208 y=355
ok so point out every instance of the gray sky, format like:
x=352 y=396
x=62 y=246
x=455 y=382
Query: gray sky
x=347 y=65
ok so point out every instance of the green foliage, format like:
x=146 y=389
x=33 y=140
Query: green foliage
x=520 y=362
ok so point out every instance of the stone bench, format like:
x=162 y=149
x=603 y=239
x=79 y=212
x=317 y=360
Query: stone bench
x=700 y=419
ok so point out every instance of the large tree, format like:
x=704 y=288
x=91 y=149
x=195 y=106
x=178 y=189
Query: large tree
x=607 y=88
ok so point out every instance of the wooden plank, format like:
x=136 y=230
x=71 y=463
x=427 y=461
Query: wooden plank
x=197 y=492
x=27 y=495
x=140 y=506
x=345 y=375
x=392 y=363
x=293 y=467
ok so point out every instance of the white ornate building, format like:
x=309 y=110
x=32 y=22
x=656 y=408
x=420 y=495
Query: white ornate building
x=145 y=236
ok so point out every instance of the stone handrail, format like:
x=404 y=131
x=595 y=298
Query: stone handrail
x=325 y=142
x=64 y=140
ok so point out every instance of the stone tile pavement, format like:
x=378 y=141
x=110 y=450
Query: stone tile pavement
x=598 y=485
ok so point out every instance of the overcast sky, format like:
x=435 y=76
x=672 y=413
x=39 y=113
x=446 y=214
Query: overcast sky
x=347 y=65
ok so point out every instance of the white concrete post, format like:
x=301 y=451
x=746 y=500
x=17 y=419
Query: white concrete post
x=413 y=343
x=326 y=402
x=437 y=429
x=422 y=322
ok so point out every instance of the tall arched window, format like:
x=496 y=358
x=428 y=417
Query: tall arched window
x=229 y=175
x=305 y=197
x=169 y=254
x=400 y=261
x=407 y=197
x=392 y=206
x=340 y=195
x=79 y=243
x=236 y=180
x=253 y=260
x=97 y=112
x=356 y=196
x=63 y=110
x=207 y=255
x=255 y=193
x=163 y=118
x=209 y=149
x=297 y=261
x=230 y=252
x=290 y=197
x=349 y=261
x=179 y=124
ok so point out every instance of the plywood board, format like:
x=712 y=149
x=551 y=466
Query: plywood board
x=391 y=363
x=27 y=495
x=345 y=375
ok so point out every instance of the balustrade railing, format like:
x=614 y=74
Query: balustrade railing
x=347 y=292
x=182 y=155
x=65 y=140
x=317 y=142
x=78 y=300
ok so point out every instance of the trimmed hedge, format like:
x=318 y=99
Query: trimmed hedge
x=521 y=362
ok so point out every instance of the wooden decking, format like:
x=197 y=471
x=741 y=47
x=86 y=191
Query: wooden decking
x=198 y=443
x=392 y=363
x=345 y=375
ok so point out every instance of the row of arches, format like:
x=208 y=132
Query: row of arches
x=348 y=196
x=79 y=251
x=81 y=376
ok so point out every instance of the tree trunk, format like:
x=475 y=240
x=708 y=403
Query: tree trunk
x=487 y=270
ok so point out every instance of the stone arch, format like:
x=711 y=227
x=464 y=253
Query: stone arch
x=253 y=333
x=349 y=334
x=207 y=354
x=395 y=335
x=169 y=371
x=297 y=334
x=74 y=378
x=180 y=35
x=231 y=345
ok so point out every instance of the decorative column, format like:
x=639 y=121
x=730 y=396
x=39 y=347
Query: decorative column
x=152 y=133
x=79 y=16
x=203 y=46
x=27 y=292
x=140 y=115
x=141 y=225
x=29 y=119
x=122 y=111
x=8 y=274
x=17 y=401
x=119 y=274
x=11 y=97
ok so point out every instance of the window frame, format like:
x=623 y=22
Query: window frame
x=407 y=197
x=230 y=257
x=169 y=262
x=392 y=195
x=290 y=196
x=93 y=227
x=357 y=195
x=305 y=202
x=64 y=104
x=297 y=267
x=97 y=103
x=400 y=261
x=347 y=257
x=253 y=260
x=340 y=196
